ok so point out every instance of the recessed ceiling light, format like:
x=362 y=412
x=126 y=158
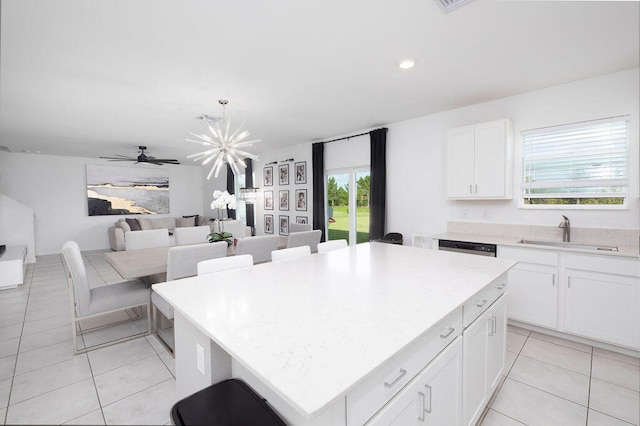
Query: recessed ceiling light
x=405 y=64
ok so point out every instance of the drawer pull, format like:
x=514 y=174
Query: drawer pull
x=448 y=333
x=421 y=409
x=501 y=286
x=400 y=376
x=428 y=410
x=482 y=303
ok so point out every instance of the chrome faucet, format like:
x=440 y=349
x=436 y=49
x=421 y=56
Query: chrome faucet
x=566 y=229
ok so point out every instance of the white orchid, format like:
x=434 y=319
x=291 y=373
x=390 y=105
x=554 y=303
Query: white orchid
x=223 y=200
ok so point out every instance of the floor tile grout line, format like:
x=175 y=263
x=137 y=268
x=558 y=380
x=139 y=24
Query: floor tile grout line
x=15 y=365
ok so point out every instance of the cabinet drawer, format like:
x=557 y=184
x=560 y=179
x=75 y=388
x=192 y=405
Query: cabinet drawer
x=606 y=264
x=542 y=257
x=379 y=387
x=483 y=299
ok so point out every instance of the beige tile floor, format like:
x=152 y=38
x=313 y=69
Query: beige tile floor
x=41 y=382
x=552 y=381
x=549 y=381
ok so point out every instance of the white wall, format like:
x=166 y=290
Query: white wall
x=416 y=200
x=416 y=156
x=55 y=188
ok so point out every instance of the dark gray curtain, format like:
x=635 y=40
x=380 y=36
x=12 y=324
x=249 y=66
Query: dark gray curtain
x=248 y=183
x=231 y=185
x=377 y=197
x=317 y=160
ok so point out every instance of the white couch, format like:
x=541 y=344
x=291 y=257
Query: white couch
x=117 y=231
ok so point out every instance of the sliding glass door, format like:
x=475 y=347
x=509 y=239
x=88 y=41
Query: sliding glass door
x=348 y=205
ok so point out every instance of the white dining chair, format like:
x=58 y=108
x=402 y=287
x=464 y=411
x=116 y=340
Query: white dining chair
x=259 y=247
x=88 y=303
x=290 y=253
x=134 y=240
x=299 y=227
x=192 y=235
x=331 y=245
x=305 y=238
x=182 y=262
x=224 y=263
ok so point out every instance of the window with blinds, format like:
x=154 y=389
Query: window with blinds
x=577 y=164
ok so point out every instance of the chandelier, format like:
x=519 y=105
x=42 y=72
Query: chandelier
x=222 y=146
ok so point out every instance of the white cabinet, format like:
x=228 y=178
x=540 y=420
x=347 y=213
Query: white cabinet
x=484 y=344
x=433 y=397
x=533 y=286
x=480 y=161
x=594 y=296
x=600 y=303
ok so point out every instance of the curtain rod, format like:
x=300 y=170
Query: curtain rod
x=353 y=136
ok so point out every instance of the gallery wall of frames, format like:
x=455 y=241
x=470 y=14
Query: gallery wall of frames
x=285 y=195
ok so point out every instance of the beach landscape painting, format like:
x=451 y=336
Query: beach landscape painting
x=113 y=190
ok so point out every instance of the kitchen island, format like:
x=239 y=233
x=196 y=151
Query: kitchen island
x=334 y=338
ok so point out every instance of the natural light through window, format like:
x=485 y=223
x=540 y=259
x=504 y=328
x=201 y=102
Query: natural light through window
x=580 y=165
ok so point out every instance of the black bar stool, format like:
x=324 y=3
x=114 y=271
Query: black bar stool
x=228 y=403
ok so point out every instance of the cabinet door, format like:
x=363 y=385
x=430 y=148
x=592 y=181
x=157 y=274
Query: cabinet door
x=474 y=365
x=460 y=160
x=533 y=294
x=432 y=397
x=496 y=343
x=490 y=160
x=603 y=307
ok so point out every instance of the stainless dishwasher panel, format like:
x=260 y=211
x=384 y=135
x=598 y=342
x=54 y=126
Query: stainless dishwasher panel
x=480 y=249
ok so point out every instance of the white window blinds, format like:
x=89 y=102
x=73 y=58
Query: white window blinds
x=581 y=160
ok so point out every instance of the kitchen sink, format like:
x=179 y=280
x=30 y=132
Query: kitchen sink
x=570 y=245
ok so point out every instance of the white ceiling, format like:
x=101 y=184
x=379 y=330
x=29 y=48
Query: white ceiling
x=100 y=77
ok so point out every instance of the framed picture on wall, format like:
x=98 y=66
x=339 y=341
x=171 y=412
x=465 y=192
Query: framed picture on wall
x=283 y=173
x=268 y=200
x=284 y=225
x=284 y=200
x=301 y=172
x=302 y=219
x=301 y=199
x=268 y=224
x=267 y=176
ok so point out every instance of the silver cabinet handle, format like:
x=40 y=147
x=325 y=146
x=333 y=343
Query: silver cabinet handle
x=470 y=189
x=482 y=303
x=553 y=280
x=428 y=410
x=494 y=325
x=421 y=409
x=501 y=286
x=448 y=333
x=400 y=376
x=569 y=282
x=490 y=324
x=476 y=188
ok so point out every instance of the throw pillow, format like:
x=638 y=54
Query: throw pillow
x=182 y=222
x=195 y=218
x=145 y=223
x=133 y=224
x=124 y=225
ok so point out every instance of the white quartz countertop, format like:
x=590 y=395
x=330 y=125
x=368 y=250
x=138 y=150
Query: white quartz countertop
x=624 y=251
x=313 y=328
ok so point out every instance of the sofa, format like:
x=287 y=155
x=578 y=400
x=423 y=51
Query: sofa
x=143 y=223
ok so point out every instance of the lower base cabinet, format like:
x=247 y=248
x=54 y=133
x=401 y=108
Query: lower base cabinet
x=484 y=345
x=433 y=397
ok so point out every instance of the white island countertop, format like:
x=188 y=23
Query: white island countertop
x=313 y=328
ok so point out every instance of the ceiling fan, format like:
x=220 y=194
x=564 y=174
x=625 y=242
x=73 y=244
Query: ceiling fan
x=143 y=158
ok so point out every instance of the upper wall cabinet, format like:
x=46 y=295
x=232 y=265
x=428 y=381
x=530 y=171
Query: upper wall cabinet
x=480 y=161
